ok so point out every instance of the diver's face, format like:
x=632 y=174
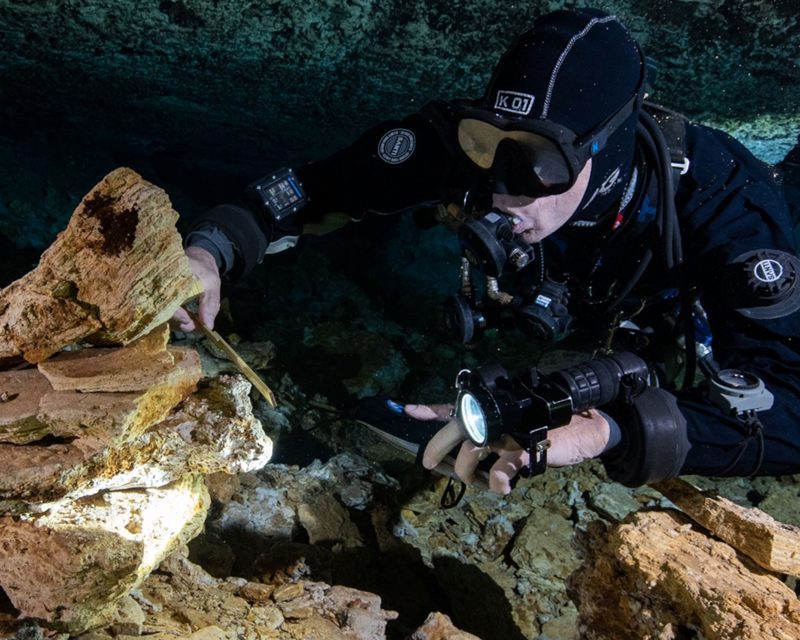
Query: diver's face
x=540 y=217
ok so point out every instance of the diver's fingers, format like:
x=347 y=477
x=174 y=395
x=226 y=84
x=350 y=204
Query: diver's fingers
x=428 y=411
x=205 y=270
x=512 y=458
x=442 y=442
x=467 y=460
x=208 y=306
x=181 y=321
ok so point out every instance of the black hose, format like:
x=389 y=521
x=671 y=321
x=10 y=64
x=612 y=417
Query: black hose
x=672 y=237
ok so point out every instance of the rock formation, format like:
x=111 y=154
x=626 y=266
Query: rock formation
x=114 y=274
x=772 y=545
x=216 y=73
x=662 y=577
x=103 y=451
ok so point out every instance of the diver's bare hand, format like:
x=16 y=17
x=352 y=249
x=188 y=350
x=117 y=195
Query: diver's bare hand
x=586 y=436
x=204 y=268
x=511 y=456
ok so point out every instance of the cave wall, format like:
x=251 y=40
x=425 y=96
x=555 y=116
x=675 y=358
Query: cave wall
x=201 y=94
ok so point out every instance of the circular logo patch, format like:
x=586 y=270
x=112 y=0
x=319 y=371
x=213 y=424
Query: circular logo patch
x=768 y=270
x=397 y=145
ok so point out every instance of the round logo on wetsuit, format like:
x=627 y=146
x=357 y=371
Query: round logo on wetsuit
x=768 y=270
x=397 y=145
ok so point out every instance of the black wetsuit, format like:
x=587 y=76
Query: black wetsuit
x=727 y=204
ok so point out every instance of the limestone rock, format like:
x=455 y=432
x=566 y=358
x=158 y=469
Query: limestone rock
x=769 y=543
x=128 y=618
x=70 y=567
x=89 y=399
x=656 y=572
x=116 y=272
x=142 y=364
x=438 y=626
x=215 y=362
x=743 y=54
x=327 y=522
x=280 y=501
x=116 y=417
x=540 y=545
x=214 y=430
x=190 y=601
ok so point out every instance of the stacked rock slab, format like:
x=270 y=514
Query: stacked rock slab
x=103 y=450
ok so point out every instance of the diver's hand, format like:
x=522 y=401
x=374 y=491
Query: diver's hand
x=204 y=267
x=511 y=456
x=586 y=436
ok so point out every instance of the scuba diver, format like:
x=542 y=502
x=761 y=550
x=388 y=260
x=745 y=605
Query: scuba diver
x=581 y=205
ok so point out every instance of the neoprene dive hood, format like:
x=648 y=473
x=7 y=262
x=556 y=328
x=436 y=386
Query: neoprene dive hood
x=568 y=89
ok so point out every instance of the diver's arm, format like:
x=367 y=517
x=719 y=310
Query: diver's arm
x=395 y=166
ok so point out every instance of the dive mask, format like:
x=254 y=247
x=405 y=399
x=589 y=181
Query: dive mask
x=531 y=157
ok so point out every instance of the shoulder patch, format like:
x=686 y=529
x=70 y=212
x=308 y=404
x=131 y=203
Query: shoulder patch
x=397 y=146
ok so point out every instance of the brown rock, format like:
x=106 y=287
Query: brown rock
x=222 y=486
x=327 y=521
x=313 y=628
x=270 y=618
x=211 y=632
x=116 y=272
x=540 y=545
x=128 y=618
x=235 y=605
x=297 y=613
x=118 y=417
x=136 y=367
x=33 y=410
x=257 y=592
x=289 y=591
x=363 y=615
x=769 y=543
x=316 y=610
x=194 y=618
x=345 y=597
x=37 y=472
x=655 y=571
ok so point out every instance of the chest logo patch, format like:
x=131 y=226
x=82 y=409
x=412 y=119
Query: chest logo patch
x=397 y=146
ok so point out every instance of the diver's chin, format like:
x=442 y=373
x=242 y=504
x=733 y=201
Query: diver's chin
x=530 y=236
